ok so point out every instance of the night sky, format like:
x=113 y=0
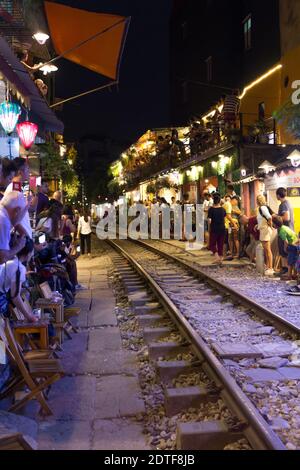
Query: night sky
x=142 y=100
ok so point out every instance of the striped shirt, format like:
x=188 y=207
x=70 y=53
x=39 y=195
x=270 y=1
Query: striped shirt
x=231 y=104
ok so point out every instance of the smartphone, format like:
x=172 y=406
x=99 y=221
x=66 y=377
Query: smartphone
x=42 y=239
x=78 y=249
x=17 y=186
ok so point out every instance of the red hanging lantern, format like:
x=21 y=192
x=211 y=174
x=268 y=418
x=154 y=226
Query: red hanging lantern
x=27 y=132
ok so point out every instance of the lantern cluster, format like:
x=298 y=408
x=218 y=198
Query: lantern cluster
x=9 y=115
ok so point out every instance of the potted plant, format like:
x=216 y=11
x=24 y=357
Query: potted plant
x=234 y=135
x=259 y=131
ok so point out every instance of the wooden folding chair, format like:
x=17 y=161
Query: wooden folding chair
x=38 y=374
x=14 y=441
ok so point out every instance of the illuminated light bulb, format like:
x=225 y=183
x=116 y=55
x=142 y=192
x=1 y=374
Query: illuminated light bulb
x=40 y=37
x=48 y=68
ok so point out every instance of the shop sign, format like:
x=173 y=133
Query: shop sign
x=289 y=180
x=293 y=192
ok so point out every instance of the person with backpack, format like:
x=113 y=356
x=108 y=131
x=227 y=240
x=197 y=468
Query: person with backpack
x=264 y=225
x=290 y=241
x=286 y=212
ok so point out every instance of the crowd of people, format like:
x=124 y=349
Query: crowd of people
x=266 y=238
x=38 y=234
x=231 y=234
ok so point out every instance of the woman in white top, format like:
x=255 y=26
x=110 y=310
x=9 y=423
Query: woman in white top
x=84 y=232
x=264 y=220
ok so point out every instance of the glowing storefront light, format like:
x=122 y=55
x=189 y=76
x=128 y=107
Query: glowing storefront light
x=260 y=79
x=267 y=167
x=294 y=157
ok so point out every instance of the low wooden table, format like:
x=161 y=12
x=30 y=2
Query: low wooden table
x=57 y=307
x=23 y=328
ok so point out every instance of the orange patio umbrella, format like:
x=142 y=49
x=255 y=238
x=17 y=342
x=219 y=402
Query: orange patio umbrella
x=92 y=40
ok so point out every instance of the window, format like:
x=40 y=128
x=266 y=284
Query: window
x=247 y=25
x=261 y=111
x=209 y=69
x=185 y=92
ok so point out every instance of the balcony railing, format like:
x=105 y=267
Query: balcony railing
x=202 y=140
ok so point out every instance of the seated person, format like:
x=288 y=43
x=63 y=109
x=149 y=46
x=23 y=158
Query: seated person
x=12 y=276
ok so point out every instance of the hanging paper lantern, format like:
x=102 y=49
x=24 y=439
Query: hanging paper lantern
x=27 y=132
x=9 y=115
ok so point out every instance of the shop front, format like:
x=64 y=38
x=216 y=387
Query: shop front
x=288 y=178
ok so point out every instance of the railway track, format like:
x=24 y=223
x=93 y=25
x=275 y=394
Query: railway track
x=182 y=309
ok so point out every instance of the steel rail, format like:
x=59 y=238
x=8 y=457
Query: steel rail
x=255 y=428
x=266 y=314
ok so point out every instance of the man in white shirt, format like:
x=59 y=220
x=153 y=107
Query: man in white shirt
x=22 y=175
x=12 y=208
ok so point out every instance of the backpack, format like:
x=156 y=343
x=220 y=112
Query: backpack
x=269 y=209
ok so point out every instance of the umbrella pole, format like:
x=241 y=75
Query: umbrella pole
x=84 y=94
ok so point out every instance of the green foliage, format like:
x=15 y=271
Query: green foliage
x=53 y=166
x=72 y=188
x=289 y=115
x=114 y=189
x=151 y=188
x=162 y=183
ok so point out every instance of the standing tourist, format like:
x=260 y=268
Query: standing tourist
x=290 y=241
x=84 y=232
x=234 y=238
x=286 y=212
x=21 y=176
x=216 y=221
x=264 y=219
x=207 y=203
x=42 y=197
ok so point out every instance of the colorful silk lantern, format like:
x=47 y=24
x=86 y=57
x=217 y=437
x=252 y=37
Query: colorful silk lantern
x=27 y=133
x=9 y=115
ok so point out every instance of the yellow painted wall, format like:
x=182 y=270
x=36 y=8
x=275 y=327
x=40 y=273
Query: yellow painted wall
x=267 y=91
x=291 y=69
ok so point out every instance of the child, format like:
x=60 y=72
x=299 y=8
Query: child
x=291 y=243
x=295 y=290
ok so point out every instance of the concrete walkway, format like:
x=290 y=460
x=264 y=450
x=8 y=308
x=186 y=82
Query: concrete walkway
x=95 y=404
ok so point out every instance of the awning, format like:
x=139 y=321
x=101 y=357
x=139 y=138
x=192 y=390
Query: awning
x=70 y=27
x=18 y=76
